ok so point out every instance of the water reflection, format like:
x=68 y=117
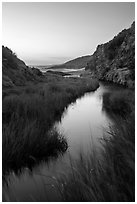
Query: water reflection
x=83 y=123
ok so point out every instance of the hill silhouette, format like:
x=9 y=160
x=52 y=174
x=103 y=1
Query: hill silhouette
x=15 y=71
x=115 y=60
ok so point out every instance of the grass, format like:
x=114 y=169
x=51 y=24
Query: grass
x=111 y=176
x=119 y=102
x=105 y=176
x=29 y=112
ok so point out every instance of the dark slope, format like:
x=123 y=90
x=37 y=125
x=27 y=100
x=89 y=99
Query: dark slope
x=15 y=71
x=115 y=61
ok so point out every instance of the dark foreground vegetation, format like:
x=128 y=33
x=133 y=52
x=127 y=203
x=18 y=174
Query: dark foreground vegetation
x=28 y=114
x=120 y=103
x=111 y=176
x=32 y=102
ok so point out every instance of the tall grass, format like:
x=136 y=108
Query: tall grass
x=28 y=115
x=119 y=102
x=110 y=175
x=109 y=178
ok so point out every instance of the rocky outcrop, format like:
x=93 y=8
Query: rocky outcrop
x=115 y=61
x=15 y=71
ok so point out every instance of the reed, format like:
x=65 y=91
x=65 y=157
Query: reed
x=111 y=176
x=29 y=113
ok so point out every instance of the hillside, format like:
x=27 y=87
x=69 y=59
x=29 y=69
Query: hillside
x=15 y=71
x=115 y=60
x=77 y=63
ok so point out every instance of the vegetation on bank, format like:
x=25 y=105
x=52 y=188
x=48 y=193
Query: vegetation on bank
x=107 y=176
x=28 y=114
x=33 y=102
x=111 y=177
x=119 y=102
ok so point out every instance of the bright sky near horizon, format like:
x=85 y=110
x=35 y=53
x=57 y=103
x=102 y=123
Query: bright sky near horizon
x=43 y=33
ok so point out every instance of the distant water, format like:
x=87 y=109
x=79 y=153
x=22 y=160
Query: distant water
x=47 y=68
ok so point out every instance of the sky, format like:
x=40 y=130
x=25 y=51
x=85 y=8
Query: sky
x=43 y=33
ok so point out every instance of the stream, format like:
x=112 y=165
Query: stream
x=83 y=123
